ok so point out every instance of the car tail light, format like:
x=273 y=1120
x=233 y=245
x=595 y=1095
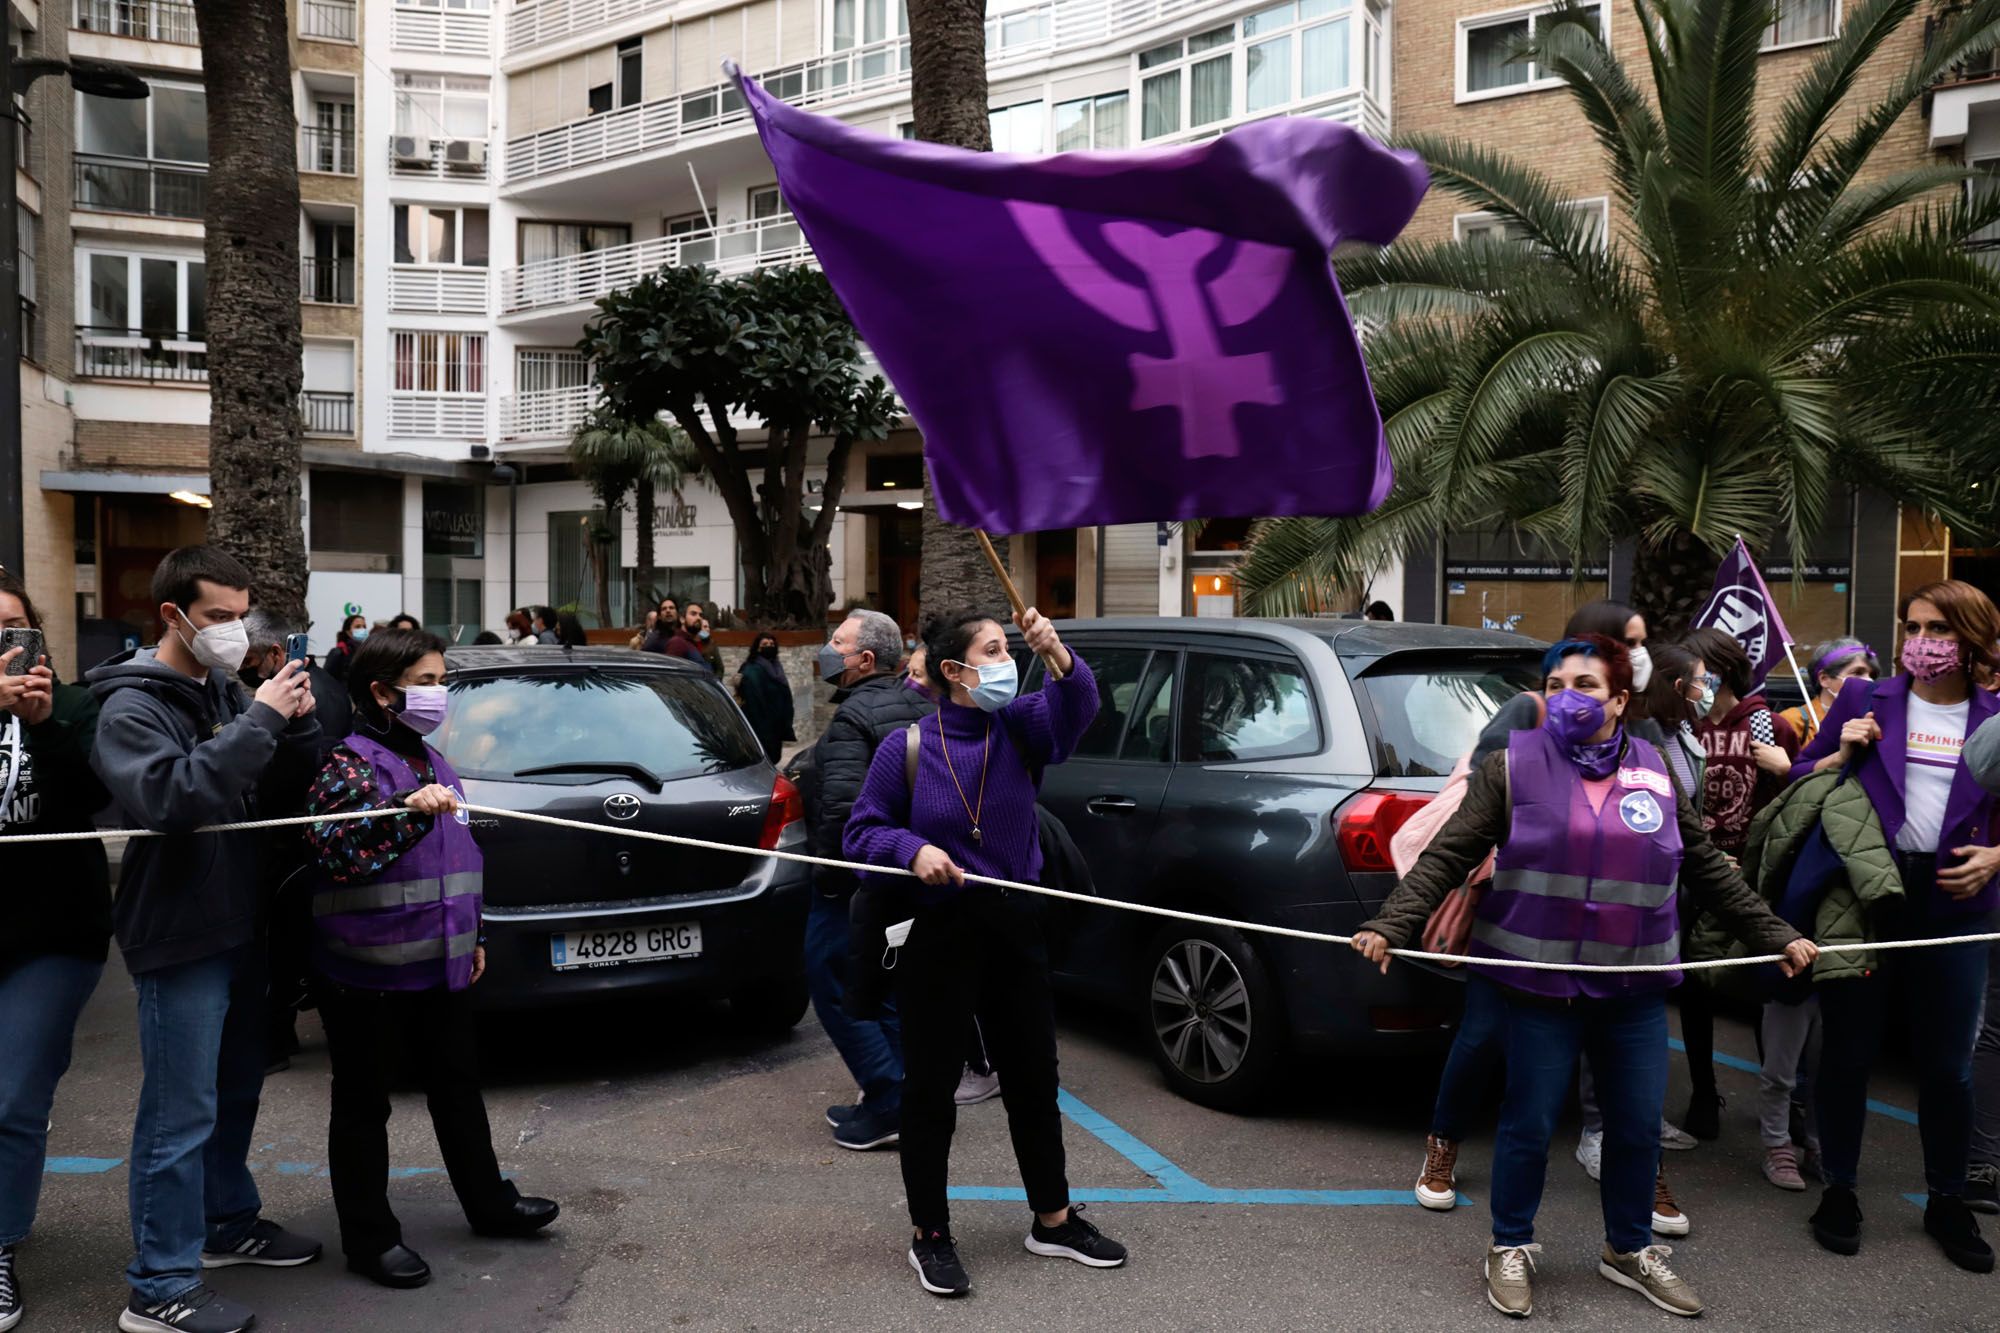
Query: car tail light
x=1367 y=826
x=787 y=808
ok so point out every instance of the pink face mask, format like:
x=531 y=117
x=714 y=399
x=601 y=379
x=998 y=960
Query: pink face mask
x=1930 y=659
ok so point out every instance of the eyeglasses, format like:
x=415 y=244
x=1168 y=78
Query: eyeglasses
x=1707 y=682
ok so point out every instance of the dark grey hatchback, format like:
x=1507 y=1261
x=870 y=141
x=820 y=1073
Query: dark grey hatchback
x=626 y=740
x=1256 y=769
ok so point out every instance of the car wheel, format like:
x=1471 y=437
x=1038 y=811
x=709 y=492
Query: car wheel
x=1213 y=1017
x=771 y=1009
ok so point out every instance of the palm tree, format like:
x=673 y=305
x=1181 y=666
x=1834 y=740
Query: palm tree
x=948 y=105
x=1771 y=322
x=252 y=252
x=615 y=456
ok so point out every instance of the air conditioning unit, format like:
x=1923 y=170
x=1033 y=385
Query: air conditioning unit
x=412 y=148
x=465 y=152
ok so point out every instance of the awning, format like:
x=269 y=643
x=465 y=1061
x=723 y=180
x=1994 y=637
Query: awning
x=124 y=483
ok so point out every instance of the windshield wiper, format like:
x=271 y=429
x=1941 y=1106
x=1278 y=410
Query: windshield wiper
x=613 y=766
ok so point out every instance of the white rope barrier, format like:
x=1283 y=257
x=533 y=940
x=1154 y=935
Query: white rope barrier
x=1012 y=886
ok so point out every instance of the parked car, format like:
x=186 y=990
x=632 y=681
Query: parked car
x=1256 y=769
x=626 y=740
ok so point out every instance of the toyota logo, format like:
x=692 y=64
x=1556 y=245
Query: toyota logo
x=622 y=806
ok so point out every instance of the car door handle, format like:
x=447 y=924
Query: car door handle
x=1111 y=805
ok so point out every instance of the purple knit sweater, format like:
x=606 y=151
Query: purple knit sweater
x=888 y=828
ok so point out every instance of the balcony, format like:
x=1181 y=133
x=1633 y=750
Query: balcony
x=437 y=289
x=329 y=21
x=437 y=416
x=550 y=414
x=157 y=357
x=1973 y=82
x=326 y=149
x=452 y=32
x=135 y=185
x=326 y=281
x=580 y=279
x=142 y=20
x=445 y=159
x=324 y=413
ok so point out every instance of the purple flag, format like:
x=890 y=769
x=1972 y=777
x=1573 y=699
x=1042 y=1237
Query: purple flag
x=1741 y=606
x=1111 y=337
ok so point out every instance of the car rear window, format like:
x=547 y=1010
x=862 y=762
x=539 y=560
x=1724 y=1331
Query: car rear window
x=653 y=724
x=1429 y=715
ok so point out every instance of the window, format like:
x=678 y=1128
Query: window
x=330 y=137
x=631 y=71
x=1017 y=128
x=1486 y=49
x=25 y=226
x=442 y=106
x=1802 y=21
x=329 y=262
x=540 y=369
x=879 y=21
x=1985 y=243
x=454 y=236
x=677 y=726
x=170 y=124
x=1485 y=228
x=1194 y=85
x=564 y=240
x=1427 y=718
x=158 y=295
x=1119 y=672
x=432 y=362
x=475 y=6
x=1247 y=708
x=1016 y=23
x=1094 y=122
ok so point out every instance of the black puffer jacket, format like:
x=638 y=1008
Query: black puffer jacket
x=869 y=712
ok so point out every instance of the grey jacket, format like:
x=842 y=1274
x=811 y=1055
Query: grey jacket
x=176 y=753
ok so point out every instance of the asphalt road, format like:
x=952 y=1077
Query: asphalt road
x=700 y=1190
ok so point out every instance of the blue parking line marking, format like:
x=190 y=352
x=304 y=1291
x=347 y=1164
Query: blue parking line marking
x=80 y=1166
x=1896 y=1113
x=1171 y=1178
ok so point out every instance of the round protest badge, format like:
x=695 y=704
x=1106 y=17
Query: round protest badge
x=1641 y=813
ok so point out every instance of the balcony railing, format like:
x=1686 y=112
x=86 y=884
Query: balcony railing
x=549 y=414
x=1973 y=69
x=133 y=185
x=326 y=149
x=328 y=20
x=326 y=281
x=450 y=159
x=451 y=32
x=144 y=20
x=438 y=289
x=576 y=279
x=437 y=416
x=326 y=413
x=131 y=354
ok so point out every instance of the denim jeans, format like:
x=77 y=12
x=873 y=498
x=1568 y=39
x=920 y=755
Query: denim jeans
x=40 y=999
x=1986 y=1070
x=201 y=1039
x=1475 y=1052
x=873 y=1050
x=1626 y=1042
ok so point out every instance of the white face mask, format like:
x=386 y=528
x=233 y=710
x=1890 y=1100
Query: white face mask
x=219 y=647
x=1642 y=667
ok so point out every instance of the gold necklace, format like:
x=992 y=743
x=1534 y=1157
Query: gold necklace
x=985 y=753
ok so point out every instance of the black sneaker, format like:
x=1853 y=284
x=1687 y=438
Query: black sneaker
x=1075 y=1239
x=869 y=1128
x=935 y=1257
x=1837 y=1223
x=10 y=1290
x=197 y=1311
x=837 y=1116
x=1982 y=1189
x=268 y=1246
x=1704 y=1117
x=1952 y=1225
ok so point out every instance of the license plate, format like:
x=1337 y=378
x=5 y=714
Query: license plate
x=635 y=944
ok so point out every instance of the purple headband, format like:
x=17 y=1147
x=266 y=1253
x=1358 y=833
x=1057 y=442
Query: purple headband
x=1829 y=661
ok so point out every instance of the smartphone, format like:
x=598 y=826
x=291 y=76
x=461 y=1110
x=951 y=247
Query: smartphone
x=30 y=642
x=295 y=648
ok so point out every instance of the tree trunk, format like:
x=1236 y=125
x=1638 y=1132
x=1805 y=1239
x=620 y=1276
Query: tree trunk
x=948 y=103
x=254 y=348
x=1671 y=582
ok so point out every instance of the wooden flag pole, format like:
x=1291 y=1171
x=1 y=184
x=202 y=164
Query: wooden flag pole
x=1013 y=594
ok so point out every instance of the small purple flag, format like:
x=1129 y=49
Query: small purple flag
x=1742 y=607
x=1111 y=337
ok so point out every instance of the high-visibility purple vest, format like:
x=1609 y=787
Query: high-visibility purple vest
x=1576 y=885
x=415 y=925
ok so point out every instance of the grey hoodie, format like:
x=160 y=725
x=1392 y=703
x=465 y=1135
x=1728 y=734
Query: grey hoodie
x=176 y=753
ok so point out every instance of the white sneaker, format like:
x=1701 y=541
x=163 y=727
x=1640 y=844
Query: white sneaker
x=974 y=1088
x=1674 y=1137
x=1590 y=1153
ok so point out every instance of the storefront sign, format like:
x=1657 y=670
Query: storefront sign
x=1518 y=569
x=453 y=521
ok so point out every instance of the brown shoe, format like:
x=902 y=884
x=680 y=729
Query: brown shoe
x=1437 y=1186
x=1668 y=1219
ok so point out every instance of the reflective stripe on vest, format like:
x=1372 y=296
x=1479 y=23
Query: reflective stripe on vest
x=407 y=893
x=1595 y=952
x=1630 y=893
x=412 y=951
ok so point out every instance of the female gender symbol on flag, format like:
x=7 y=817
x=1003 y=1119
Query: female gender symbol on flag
x=1111 y=337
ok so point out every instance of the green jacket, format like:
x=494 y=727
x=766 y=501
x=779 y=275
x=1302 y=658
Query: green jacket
x=1852 y=904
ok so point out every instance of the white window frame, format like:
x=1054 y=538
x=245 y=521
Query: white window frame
x=1091 y=107
x=457 y=235
x=133 y=298
x=152 y=130
x=1353 y=13
x=1769 y=44
x=896 y=22
x=1041 y=119
x=1464 y=226
x=466 y=6
x=1499 y=16
x=425 y=85
x=445 y=352
x=552 y=363
x=1184 y=64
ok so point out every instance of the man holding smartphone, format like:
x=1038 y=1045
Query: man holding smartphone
x=179 y=747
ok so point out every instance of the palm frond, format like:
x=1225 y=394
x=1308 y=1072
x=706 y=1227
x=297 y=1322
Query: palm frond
x=1814 y=100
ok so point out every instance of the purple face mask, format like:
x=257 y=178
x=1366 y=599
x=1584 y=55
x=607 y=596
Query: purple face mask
x=1930 y=659
x=1573 y=718
x=424 y=708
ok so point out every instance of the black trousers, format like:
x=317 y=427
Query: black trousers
x=978 y=955
x=365 y=1031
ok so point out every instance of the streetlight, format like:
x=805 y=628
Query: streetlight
x=504 y=474
x=16 y=77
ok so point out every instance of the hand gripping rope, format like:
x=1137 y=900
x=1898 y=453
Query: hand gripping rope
x=1012 y=886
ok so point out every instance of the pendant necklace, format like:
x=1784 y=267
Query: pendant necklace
x=972 y=812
